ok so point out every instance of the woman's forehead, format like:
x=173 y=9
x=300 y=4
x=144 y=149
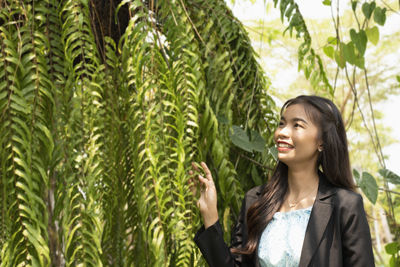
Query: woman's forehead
x=294 y=110
x=300 y=111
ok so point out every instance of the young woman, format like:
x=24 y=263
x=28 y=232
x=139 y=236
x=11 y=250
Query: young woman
x=308 y=213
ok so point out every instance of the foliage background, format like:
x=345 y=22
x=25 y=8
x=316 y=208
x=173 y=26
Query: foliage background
x=100 y=121
x=104 y=105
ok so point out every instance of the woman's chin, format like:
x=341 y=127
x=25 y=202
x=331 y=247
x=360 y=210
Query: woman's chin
x=284 y=159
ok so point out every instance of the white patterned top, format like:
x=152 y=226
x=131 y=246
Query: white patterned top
x=282 y=240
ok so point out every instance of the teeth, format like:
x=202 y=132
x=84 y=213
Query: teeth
x=284 y=145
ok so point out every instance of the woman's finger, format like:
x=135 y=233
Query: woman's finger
x=194 y=166
x=203 y=180
x=207 y=171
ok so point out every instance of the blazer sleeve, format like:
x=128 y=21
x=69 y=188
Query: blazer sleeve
x=213 y=247
x=356 y=236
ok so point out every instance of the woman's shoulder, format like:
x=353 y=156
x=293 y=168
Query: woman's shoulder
x=344 y=198
x=348 y=200
x=342 y=194
x=348 y=195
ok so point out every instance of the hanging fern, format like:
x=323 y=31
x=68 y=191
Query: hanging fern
x=98 y=131
x=81 y=218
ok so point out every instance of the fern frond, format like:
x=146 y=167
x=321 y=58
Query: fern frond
x=30 y=140
x=81 y=226
x=138 y=58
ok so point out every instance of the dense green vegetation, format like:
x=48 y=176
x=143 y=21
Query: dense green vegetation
x=104 y=105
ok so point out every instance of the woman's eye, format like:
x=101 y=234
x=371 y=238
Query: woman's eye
x=297 y=125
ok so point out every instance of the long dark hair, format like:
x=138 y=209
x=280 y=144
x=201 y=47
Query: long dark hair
x=333 y=161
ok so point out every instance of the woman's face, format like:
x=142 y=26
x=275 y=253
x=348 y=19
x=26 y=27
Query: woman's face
x=297 y=137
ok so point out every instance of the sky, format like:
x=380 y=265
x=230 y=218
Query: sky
x=245 y=11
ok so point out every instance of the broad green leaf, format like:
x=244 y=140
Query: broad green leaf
x=332 y=40
x=356 y=176
x=369 y=187
x=380 y=16
x=373 y=35
x=368 y=8
x=329 y=51
x=392 y=248
x=239 y=138
x=354 y=5
x=398 y=78
x=348 y=53
x=327 y=2
x=339 y=58
x=360 y=62
x=257 y=141
x=360 y=40
x=274 y=152
x=390 y=176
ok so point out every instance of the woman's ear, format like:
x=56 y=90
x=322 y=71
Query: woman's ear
x=320 y=149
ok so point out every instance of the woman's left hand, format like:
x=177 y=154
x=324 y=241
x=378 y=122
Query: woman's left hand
x=207 y=202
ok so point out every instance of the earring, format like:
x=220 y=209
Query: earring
x=319 y=149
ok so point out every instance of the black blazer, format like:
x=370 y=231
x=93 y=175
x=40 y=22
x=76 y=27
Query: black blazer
x=337 y=233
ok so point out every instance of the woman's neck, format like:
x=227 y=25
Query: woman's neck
x=302 y=189
x=301 y=181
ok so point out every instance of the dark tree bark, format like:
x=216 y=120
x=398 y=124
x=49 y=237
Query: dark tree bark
x=105 y=23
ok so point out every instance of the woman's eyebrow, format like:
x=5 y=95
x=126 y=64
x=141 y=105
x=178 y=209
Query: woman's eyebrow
x=295 y=119
x=299 y=119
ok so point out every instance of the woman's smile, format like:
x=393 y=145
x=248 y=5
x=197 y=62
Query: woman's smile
x=284 y=146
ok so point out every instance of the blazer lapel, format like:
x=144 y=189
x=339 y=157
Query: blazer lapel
x=319 y=218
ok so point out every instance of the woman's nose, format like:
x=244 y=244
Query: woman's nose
x=284 y=132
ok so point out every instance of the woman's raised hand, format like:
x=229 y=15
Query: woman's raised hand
x=207 y=201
